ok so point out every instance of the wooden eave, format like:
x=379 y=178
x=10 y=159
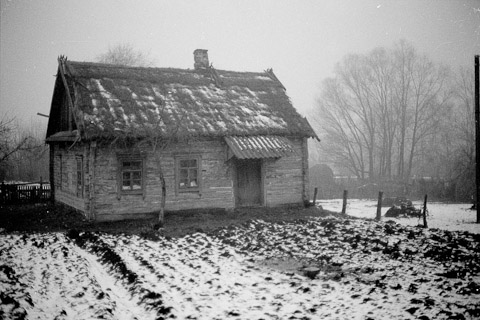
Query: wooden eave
x=63 y=136
x=62 y=86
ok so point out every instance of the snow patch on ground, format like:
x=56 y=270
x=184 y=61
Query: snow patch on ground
x=366 y=270
x=453 y=217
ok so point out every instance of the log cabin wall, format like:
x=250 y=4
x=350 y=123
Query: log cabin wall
x=284 y=178
x=65 y=175
x=215 y=191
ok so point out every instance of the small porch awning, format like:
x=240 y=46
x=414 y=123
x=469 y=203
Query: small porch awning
x=63 y=136
x=257 y=147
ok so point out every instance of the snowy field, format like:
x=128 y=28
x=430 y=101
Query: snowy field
x=453 y=217
x=256 y=270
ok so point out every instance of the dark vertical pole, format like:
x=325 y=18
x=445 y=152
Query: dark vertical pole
x=477 y=137
x=315 y=195
x=379 y=206
x=425 y=212
x=51 y=171
x=344 y=206
x=3 y=198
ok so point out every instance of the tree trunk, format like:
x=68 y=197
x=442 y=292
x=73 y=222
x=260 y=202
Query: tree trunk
x=401 y=152
x=412 y=154
x=371 y=173
x=161 y=215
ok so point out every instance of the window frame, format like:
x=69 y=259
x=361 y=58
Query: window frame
x=183 y=157
x=122 y=158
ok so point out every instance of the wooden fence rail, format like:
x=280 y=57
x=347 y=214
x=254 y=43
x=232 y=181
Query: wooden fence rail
x=24 y=193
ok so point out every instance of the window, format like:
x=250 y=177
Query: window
x=188 y=173
x=131 y=176
x=79 y=176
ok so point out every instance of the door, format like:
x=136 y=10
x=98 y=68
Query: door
x=249 y=183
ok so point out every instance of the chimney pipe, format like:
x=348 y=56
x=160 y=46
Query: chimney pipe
x=200 y=57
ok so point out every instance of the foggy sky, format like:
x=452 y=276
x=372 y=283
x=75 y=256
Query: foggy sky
x=301 y=40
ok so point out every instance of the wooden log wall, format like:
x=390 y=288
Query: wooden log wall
x=216 y=189
x=65 y=176
x=285 y=180
x=284 y=177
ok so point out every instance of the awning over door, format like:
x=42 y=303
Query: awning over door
x=257 y=147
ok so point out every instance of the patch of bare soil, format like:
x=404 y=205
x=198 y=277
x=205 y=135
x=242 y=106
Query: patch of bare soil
x=50 y=217
x=42 y=217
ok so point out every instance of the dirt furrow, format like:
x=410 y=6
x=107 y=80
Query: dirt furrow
x=114 y=272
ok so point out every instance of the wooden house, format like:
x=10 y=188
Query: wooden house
x=219 y=139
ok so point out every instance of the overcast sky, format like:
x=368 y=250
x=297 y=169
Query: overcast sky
x=301 y=40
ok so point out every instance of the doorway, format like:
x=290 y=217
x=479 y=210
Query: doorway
x=249 y=183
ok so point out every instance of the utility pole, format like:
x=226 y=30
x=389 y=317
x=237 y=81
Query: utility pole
x=477 y=137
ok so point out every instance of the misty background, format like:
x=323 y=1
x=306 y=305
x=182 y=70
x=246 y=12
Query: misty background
x=305 y=42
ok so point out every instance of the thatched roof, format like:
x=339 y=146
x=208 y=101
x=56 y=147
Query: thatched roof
x=111 y=100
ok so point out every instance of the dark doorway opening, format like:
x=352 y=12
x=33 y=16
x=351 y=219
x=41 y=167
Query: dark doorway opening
x=249 y=183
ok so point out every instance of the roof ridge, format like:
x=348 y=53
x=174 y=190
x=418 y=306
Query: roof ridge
x=117 y=66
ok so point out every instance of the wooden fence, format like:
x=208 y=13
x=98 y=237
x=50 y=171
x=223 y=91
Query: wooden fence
x=24 y=193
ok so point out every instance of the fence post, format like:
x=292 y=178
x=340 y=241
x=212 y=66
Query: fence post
x=425 y=212
x=34 y=194
x=379 y=205
x=344 y=206
x=14 y=192
x=315 y=191
x=41 y=189
x=3 y=198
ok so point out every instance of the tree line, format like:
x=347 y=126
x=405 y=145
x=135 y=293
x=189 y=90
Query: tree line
x=394 y=114
x=23 y=152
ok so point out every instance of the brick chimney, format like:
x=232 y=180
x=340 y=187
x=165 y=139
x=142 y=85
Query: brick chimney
x=200 y=57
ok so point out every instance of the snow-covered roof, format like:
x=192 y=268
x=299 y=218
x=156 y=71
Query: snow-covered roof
x=112 y=100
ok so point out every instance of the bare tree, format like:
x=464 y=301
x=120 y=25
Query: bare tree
x=356 y=111
x=125 y=54
x=341 y=128
x=154 y=133
x=20 y=151
x=382 y=89
x=379 y=107
x=421 y=97
x=9 y=143
x=404 y=56
x=32 y=162
x=461 y=165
